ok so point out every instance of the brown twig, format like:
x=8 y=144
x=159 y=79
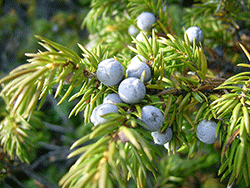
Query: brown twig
x=230 y=140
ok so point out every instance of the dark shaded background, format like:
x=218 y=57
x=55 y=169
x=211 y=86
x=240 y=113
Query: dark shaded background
x=20 y=20
x=60 y=21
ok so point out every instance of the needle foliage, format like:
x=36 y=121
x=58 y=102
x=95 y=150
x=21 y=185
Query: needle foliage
x=184 y=86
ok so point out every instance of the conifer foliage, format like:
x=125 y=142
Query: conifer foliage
x=181 y=84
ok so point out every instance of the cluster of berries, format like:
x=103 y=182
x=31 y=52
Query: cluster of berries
x=132 y=90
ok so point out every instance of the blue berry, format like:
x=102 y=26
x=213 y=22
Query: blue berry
x=105 y=108
x=112 y=98
x=137 y=66
x=110 y=72
x=145 y=21
x=152 y=117
x=132 y=30
x=162 y=138
x=132 y=90
x=206 y=131
x=194 y=33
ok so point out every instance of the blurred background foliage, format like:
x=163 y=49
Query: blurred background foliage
x=54 y=19
x=62 y=22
